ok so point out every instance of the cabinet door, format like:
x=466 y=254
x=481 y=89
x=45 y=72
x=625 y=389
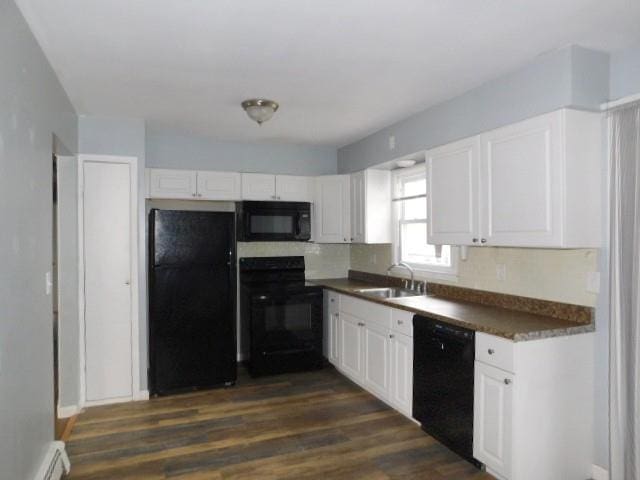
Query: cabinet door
x=172 y=183
x=258 y=186
x=377 y=359
x=492 y=418
x=351 y=345
x=401 y=390
x=332 y=217
x=521 y=175
x=452 y=193
x=219 y=186
x=291 y=188
x=334 y=352
x=358 y=207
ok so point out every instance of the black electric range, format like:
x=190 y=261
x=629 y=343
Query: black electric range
x=281 y=316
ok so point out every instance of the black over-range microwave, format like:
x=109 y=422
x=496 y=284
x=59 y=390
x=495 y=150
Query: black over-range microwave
x=273 y=221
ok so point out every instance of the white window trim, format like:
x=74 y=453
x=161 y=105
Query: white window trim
x=422 y=271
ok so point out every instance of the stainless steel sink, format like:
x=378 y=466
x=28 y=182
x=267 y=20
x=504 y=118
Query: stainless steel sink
x=388 y=292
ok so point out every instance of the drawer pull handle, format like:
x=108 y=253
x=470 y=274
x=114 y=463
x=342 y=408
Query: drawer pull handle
x=507 y=381
x=392 y=336
x=360 y=324
x=400 y=322
x=491 y=351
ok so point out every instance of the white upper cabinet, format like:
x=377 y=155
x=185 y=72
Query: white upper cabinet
x=258 y=186
x=190 y=184
x=522 y=171
x=291 y=188
x=452 y=198
x=172 y=183
x=287 y=188
x=219 y=186
x=331 y=209
x=535 y=183
x=371 y=206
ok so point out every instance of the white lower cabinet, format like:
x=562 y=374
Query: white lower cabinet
x=377 y=356
x=493 y=412
x=533 y=400
x=350 y=346
x=533 y=407
x=370 y=350
x=330 y=333
x=401 y=387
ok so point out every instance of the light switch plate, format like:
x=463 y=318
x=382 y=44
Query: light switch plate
x=48 y=283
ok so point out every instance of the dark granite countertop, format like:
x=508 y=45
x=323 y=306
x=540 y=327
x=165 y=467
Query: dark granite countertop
x=504 y=322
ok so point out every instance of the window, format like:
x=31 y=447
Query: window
x=410 y=218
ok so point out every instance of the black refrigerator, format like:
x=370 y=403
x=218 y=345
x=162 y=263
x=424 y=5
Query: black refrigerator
x=192 y=300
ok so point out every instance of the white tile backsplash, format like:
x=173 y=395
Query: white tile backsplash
x=321 y=260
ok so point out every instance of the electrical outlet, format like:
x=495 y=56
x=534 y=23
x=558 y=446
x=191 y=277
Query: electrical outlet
x=392 y=142
x=501 y=272
x=593 y=282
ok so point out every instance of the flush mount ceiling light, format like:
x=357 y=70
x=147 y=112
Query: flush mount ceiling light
x=260 y=109
x=405 y=163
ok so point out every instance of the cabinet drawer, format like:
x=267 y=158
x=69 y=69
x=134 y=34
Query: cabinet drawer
x=334 y=302
x=369 y=311
x=495 y=351
x=402 y=322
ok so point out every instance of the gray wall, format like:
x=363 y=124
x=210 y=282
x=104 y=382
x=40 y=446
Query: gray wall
x=124 y=136
x=168 y=149
x=33 y=108
x=625 y=73
x=572 y=76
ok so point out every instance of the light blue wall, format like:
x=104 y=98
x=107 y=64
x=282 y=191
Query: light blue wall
x=625 y=73
x=572 y=76
x=169 y=149
x=124 y=136
x=36 y=120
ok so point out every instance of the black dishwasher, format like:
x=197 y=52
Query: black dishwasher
x=443 y=383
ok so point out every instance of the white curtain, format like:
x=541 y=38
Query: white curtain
x=625 y=293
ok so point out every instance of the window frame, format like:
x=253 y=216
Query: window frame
x=422 y=270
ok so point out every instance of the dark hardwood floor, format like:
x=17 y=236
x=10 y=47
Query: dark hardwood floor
x=314 y=425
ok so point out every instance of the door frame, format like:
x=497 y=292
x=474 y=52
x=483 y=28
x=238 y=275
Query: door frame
x=137 y=394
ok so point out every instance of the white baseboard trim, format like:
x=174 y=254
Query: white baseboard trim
x=55 y=463
x=141 y=395
x=68 y=411
x=599 y=473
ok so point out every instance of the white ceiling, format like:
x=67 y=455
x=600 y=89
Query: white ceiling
x=341 y=69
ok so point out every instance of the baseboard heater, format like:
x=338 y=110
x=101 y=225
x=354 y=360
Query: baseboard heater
x=55 y=464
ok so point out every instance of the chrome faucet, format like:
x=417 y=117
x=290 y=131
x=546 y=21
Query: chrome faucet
x=408 y=267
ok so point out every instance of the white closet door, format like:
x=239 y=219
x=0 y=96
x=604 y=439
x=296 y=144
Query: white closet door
x=107 y=263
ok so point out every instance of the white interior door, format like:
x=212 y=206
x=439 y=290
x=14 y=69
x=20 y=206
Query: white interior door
x=107 y=250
